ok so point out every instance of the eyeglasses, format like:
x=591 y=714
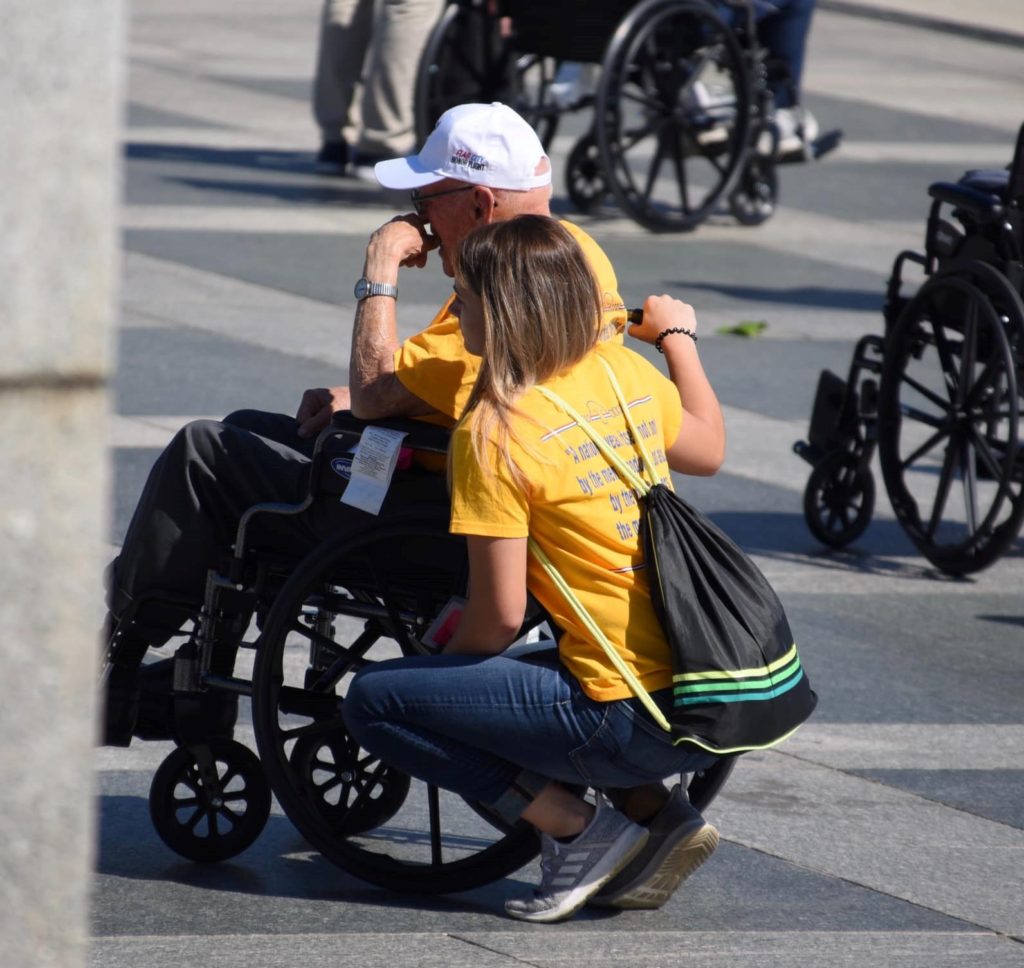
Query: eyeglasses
x=419 y=201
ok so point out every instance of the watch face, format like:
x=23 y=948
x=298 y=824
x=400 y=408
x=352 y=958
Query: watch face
x=362 y=288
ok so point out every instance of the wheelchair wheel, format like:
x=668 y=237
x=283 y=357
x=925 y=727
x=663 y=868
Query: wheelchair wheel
x=584 y=177
x=673 y=113
x=756 y=194
x=949 y=418
x=377 y=591
x=705 y=786
x=468 y=58
x=209 y=803
x=839 y=499
x=354 y=790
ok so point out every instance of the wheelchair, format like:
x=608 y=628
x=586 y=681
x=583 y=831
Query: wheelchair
x=681 y=113
x=940 y=394
x=357 y=598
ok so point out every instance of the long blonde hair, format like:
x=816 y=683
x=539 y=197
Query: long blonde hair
x=542 y=311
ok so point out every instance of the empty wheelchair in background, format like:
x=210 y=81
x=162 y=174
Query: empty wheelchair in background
x=940 y=393
x=368 y=595
x=681 y=112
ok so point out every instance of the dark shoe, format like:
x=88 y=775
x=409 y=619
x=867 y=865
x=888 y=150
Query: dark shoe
x=332 y=158
x=680 y=841
x=120 y=706
x=155 y=718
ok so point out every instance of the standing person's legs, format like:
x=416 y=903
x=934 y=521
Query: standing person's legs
x=345 y=28
x=400 y=33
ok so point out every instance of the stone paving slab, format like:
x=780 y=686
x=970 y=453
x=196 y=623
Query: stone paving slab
x=553 y=948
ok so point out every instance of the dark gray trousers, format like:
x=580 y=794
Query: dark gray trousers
x=211 y=472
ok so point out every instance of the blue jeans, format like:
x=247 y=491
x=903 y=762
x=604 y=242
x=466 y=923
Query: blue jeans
x=497 y=729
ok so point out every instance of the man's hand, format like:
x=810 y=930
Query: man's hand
x=403 y=241
x=317 y=405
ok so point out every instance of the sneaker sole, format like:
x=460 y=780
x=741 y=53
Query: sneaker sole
x=581 y=895
x=651 y=890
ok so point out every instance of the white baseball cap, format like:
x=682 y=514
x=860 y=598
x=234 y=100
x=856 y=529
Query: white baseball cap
x=483 y=144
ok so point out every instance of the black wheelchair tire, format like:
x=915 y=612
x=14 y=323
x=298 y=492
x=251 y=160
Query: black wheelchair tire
x=627 y=61
x=272 y=697
x=839 y=499
x=930 y=327
x=233 y=815
x=467 y=60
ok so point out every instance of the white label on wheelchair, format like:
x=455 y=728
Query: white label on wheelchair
x=373 y=466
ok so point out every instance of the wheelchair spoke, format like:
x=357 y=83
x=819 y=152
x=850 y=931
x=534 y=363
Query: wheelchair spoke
x=641 y=98
x=970 y=481
x=929 y=419
x=984 y=451
x=929 y=394
x=680 y=168
x=928 y=445
x=969 y=350
x=652 y=172
x=946 y=360
x=949 y=463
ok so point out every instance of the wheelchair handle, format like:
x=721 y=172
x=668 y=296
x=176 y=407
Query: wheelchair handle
x=984 y=207
x=419 y=435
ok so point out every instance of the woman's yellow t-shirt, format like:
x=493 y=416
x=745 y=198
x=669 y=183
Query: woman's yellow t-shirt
x=435 y=365
x=580 y=512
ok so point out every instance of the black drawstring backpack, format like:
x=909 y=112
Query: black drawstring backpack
x=738 y=683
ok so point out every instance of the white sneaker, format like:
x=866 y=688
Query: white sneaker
x=572 y=873
x=797 y=130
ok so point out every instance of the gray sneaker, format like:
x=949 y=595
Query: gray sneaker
x=680 y=841
x=571 y=873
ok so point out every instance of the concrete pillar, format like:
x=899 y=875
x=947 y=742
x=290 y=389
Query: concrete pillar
x=59 y=125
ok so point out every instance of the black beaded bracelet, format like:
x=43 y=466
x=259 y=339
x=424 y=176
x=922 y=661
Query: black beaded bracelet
x=669 y=332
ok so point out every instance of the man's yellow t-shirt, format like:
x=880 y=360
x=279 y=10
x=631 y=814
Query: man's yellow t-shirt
x=580 y=512
x=435 y=365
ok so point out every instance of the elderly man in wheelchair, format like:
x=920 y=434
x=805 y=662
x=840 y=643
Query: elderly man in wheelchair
x=248 y=519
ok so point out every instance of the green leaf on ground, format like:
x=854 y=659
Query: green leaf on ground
x=748 y=328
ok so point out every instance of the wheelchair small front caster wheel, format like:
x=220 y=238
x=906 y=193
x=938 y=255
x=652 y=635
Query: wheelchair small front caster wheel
x=210 y=804
x=839 y=499
x=584 y=177
x=353 y=791
x=753 y=199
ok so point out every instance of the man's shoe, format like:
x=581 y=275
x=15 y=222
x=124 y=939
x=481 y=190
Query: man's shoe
x=155 y=717
x=332 y=159
x=680 y=841
x=797 y=130
x=572 y=872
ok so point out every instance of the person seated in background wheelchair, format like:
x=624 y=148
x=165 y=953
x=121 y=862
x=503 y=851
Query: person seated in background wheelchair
x=521 y=735
x=483 y=163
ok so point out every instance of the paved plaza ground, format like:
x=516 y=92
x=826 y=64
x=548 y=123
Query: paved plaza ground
x=890 y=830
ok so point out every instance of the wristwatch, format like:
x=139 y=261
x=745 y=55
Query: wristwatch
x=366 y=288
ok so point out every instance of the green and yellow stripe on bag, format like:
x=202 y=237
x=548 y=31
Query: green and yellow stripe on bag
x=742 y=685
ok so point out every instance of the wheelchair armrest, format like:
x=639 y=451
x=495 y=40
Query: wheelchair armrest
x=984 y=207
x=419 y=435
